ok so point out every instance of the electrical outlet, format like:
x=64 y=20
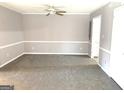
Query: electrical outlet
x=32 y=48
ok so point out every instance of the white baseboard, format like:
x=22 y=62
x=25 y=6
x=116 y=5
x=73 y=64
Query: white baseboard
x=75 y=42
x=56 y=53
x=42 y=54
x=104 y=70
x=116 y=80
x=63 y=42
x=53 y=14
x=11 y=60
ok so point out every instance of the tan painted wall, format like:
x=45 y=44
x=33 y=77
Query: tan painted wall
x=56 y=28
x=10 y=32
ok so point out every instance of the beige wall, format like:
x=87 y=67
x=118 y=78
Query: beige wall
x=10 y=26
x=10 y=34
x=56 y=28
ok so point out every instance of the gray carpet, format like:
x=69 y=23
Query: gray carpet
x=55 y=72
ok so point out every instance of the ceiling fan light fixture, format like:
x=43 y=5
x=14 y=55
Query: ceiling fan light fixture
x=54 y=10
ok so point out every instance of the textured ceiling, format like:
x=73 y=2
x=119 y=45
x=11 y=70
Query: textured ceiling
x=71 y=6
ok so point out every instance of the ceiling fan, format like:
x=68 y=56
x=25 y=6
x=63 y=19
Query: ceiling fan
x=53 y=10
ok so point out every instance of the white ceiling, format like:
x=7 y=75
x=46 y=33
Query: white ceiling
x=71 y=6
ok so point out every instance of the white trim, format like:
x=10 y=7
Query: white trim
x=116 y=80
x=57 y=53
x=13 y=44
x=9 y=45
x=40 y=53
x=104 y=70
x=10 y=8
x=53 y=14
x=57 y=41
x=77 y=13
x=11 y=60
x=105 y=50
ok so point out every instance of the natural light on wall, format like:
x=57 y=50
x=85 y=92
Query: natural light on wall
x=117 y=47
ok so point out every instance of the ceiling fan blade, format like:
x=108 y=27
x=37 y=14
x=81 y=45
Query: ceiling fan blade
x=61 y=11
x=59 y=14
x=48 y=14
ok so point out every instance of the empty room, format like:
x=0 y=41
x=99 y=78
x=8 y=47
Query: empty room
x=61 y=45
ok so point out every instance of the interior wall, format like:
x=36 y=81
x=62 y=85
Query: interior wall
x=106 y=34
x=52 y=34
x=56 y=34
x=11 y=35
x=29 y=34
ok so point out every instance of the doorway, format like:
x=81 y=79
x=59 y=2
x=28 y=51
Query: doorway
x=117 y=47
x=95 y=40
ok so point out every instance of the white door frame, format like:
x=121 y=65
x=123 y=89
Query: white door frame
x=95 y=39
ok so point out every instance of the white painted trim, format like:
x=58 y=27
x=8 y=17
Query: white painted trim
x=11 y=60
x=57 y=53
x=2 y=3
x=104 y=70
x=13 y=44
x=77 y=13
x=53 y=14
x=116 y=80
x=58 y=41
x=42 y=54
x=105 y=50
x=9 y=45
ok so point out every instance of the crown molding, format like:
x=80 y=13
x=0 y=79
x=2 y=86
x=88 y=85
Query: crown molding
x=53 y=14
